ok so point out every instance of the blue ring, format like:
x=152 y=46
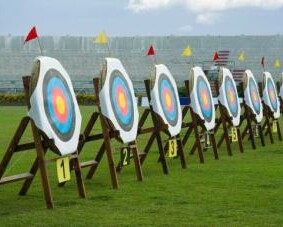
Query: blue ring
x=230 y=85
x=207 y=113
x=117 y=81
x=171 y=115
x=53 y=79
x=61 y=127
x=271 y=86
x=252 y=86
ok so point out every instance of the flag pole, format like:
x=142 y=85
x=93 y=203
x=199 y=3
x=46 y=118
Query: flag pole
x=109 y=51
x=154 y=60
x=192 y=61
x=40 y=46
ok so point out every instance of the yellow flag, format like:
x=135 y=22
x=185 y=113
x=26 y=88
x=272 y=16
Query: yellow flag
x=277 y=63
x=242 y=56
x=101 y=38
x=187 y=52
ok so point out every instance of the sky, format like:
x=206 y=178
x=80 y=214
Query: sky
x=142 y=17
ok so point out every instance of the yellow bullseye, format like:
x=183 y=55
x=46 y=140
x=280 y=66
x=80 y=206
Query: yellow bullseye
x=168 y=99
x=122 y=100
x=254 y=96
x=60 y=104
x=205 y=99
x=272 y=96
x=231 y=96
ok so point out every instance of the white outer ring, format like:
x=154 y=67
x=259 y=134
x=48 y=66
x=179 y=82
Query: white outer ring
x=266 y=98
x=194 y=74
x=155 y=100
x=113 y=64
x=37 y=112
x=224 y=72
x=247 y=96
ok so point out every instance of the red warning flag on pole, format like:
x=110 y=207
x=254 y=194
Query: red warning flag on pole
x=216 y=57
x=262 y=62
x=150 y=51
x=31 y=35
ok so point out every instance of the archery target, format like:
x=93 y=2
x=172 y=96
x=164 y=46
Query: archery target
x=121 y=100
x=165 y=99
x=201 y=97
x=270 y=95
x=59 y=106
x=228 y=95
x=251 y=95
x=118 y=101
x=54 y=108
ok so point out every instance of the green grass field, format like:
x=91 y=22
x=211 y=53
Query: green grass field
x=242 y=190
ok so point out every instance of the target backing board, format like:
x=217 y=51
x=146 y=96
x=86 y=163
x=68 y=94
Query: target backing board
x=118 y=102
x=165 y=99
x=54 y=108
x=201 y=97
x=228 y=95
x=251 y=95
x=270 y=97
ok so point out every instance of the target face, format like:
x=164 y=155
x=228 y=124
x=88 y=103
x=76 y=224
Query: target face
x=168 y=99
x=58 y=105
x=254 y=95
x=121 y=100
x=272 y=94
x=53 y=105
x=231 y=95
x=205 y=100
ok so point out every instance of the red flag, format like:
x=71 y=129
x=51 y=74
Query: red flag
x=150 y=51
x=216 y=57
x=262 y=62
x=31 y=35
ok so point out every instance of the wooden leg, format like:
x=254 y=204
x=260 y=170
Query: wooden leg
x=187 y=135
x=278 y=130
x=226 y=136
x=161 y=152
x=13 y=144
x=33 y=171
x=249 y=125
x=240 y=141
x=220 y=141
x=269 y=130
x=134 y=149
x=197 y=136
x=111 y=164
x=193 y=149
x=88 y=129
x=147 y=148
x=181 y=152
x=97 y=159
x=245 y=131
x=80 y=183
x=42 y=167
x=215 y=151
x=260 y=131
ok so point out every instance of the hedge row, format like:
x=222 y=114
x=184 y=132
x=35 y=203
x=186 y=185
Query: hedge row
x=83 y=99
x=19 y=99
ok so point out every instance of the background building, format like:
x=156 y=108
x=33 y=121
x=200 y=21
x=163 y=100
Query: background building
x=83 y=59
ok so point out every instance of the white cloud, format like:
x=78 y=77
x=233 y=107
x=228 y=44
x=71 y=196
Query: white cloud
x=142 y=5
x=207 y=18
x=203 y=5
x=205 y=9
